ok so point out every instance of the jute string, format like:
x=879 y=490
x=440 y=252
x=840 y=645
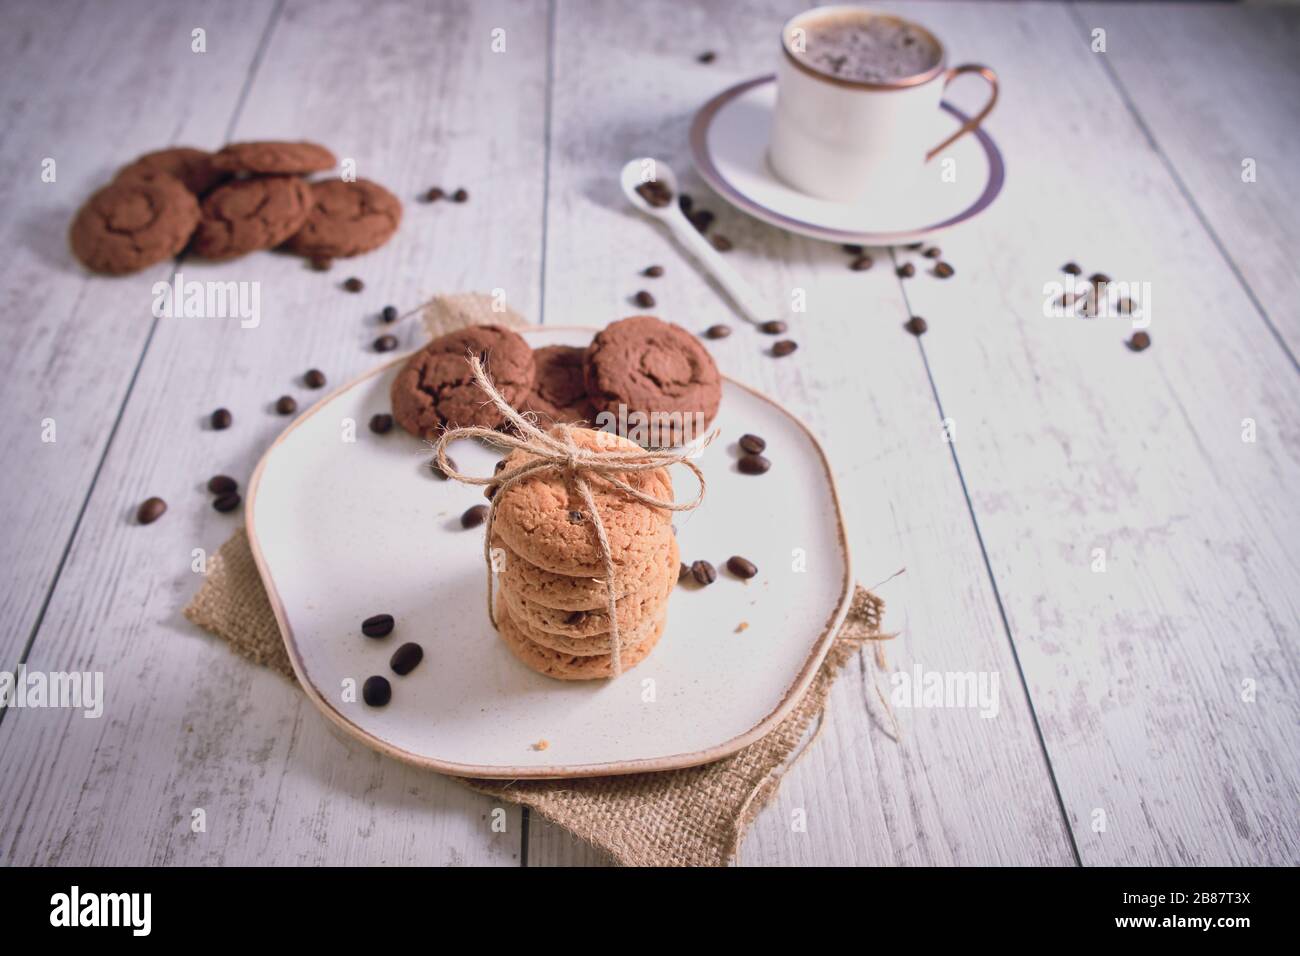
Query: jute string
x=557 y=451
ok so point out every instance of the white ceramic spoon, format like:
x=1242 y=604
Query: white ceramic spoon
x=640 y=171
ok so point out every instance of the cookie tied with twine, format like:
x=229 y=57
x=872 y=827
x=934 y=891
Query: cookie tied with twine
x=557 y=451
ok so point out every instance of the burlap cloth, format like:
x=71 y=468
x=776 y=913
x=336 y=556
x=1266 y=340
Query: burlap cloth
x=691 y=817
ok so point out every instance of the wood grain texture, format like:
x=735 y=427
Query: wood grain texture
x=1069 y=442
x=187 y=723
x=70 y=341
x=1215 y=86
x=960 y=788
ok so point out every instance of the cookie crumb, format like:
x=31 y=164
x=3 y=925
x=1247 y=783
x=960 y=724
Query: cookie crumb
x=541 y=745
x=742 y=627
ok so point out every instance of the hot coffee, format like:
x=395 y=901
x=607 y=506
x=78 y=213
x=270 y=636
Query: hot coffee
x=865 y=47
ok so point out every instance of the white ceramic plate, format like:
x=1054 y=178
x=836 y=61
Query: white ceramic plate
x=729 y=146
x=342 y=530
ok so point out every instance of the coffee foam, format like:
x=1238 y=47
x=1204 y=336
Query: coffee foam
x=865 y=47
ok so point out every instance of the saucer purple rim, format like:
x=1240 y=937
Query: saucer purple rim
x=704 y=165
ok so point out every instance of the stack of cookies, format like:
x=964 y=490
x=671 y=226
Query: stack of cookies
x=552 y=599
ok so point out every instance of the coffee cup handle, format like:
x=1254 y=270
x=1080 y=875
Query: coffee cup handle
x=974 y=122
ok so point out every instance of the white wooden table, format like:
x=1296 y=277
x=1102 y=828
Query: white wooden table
x=1125 y=693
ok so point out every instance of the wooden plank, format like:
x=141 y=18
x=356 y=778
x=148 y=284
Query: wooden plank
x=1141 y=674
x=89 y=86
x=188 y=725
x=1216 y=86
x=960 y=789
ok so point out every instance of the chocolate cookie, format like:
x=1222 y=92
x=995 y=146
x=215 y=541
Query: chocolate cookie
x=347 y=219
x=193 y=167
x=436 y=387
x=559 y=393
x=660 y=373
x=133 y=223
x=249 y=214
x=274 y=157
x=564 y=666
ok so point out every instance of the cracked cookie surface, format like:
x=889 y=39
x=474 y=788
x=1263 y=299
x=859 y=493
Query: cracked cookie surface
x=563 y=666
x=250 y=214
x=134 y=223
x=347 y=219
x=193 y=167
x=559 y=392
x=654 y=368
x=274 y=156
x=436 y=388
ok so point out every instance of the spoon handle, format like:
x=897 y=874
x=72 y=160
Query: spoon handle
x=737 y=288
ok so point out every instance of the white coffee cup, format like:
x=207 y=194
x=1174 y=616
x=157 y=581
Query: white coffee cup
x=835 y=137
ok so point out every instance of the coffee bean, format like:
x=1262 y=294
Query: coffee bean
x=221 y=419
x=1140 y=342
x=653 y=272
x=150 y=510
x=1072 y=268
x=906 y=270
x=916 y=325
x=644 y=299
x=225 y=503
x=741 y=567
x=852 y=249
x=655 y=193
x=774 y=327
x=685 y=202
x=473 y=517
x=460 y=195
x=1099 y=278
x=932 y=253
x=314 y=378
x=354 y=284
x=388 y=314
x=861 y=263
x=222 y=484
x=752 y=444
x=574 y=618
x=437 y=468
x=381 y=423
x=376 y=691
x=405 y=658
x=701 y=219
x=286 y=405
x=753 y=464
x=377 y=625
x=943 y=270
x=575 y=517
x=433 y=194
x=784 y=348
x=708 y=56
x=721 y=243
x=718 y=331
x=322 y=263
x=385 y=343
x=684 y=571
x=704 y=573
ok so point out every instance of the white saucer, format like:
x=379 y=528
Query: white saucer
x=343 y=529
x=729 y=146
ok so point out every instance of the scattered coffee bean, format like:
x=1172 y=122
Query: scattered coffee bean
x=286 y=405
x=354 y=284
x=385 y=343
x=753 y=464
x=708 y=56
x=575 y=517
x=222 y=484
x=381 y=423
x=322 y=263
x=943 y=270
x=718 y=331
x=376 y=691
x=916 y=325
x=1139 y=342
x=653 y=272
x=460 y=195
x=852 y=249
x=701 y=219
x=784 y=348
x=150 y=510
x=721 y=243
x=221 y=419
x=1072 y=268
x=473 y=517
x=683 y=572
x=434 y=194
x=225 y=503
x=906 y=270
x=655 y=193
x=861 y=263
x=574 y=618
x=389 y=314
x=685 y=202
x=1099 y=278
x=741 y=567
x=774 y=327
x=437 y=468
x=377 y=625
x=644 y=299
x=405 y=658
x=752 y=444
x=314 y=378
x=932 y=253
x=704 y=573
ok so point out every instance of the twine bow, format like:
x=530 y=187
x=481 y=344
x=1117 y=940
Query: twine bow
x=559 y=452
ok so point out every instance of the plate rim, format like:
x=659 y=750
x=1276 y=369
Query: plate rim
x=704 y=165
x=793 y=693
